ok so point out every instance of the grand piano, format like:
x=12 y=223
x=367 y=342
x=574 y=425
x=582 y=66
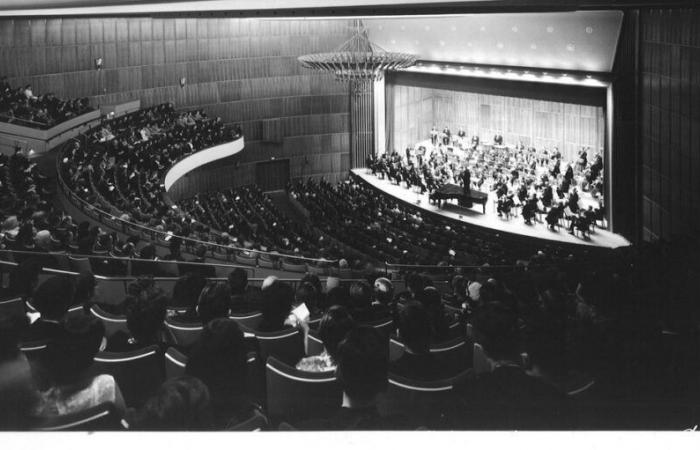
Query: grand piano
x=450 y=191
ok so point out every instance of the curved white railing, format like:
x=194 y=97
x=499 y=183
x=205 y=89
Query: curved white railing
x=200 y=158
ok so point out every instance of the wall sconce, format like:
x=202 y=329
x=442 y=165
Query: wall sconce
x=183 y=82
x=98 y=63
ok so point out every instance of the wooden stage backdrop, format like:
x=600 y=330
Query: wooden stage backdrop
x=243 y=70
x=534 y=122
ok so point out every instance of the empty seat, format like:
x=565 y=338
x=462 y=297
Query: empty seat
x=249 y=320
x=12 y=307
x=427 y=402
x=286 y=345
x=175 y=363
x=34 y=350
x=138 y=373
x=79 y=264
x=314 y=344
x=184 y=334
x=291 y=267
x=256 y=423
x=103 y=417
x=246 y=260
x=112 y=322
x=299 y=395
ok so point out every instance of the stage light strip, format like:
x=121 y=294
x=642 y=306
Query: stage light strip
x=503 y=73
x=205 y=6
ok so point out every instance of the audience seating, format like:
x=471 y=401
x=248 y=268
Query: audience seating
x=290 y=267
x=286 y=345
x=33 y=350
x=12 y=307
x=296 y=395
x=314 y=345
x=175 y=363
x=427 y=402
x=113 y=323
x=80 y=264
x=138 y=373
x=184 y=334
x=256 y=423
x=103 y=417
x=249 y=320
x=385 y=326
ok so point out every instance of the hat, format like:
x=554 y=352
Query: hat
x=383 y=285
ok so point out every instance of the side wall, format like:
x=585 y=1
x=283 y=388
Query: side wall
x=670 y=123
x=243 y=70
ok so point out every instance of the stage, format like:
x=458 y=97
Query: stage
x=515 y=225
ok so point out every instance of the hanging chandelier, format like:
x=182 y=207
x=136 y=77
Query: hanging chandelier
x=358 y=60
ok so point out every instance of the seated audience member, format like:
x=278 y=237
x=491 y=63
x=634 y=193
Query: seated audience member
x=338 y=295
x=219 y=360
x=186 y=293
x=362 y=372
x=65 y=367
x=244 y=298
x=268 y=281
x=51 y=300
x=18 y=394
x=334 y=326
x=362 y=308
x=506 y=396
x=383 y=294
x=144 y=319
x=206 y=271
x=148 y=267
x=277 y=301
x=214 y=302
x=306 y=293
x=439 y=329
x=417 y=363
x=181 y=404
x=24 y=278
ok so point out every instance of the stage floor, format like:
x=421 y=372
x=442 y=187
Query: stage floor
x=515 y=225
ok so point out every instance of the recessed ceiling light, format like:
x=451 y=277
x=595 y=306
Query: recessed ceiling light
x=515 y=29
x=442 y=43
x=499 y=45
x=427 y=28
x=571 y=47
x=589 y=30
x=550 y=29
x=533 y=46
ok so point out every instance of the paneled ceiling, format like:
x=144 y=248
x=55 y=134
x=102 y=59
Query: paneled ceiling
x=582 y=40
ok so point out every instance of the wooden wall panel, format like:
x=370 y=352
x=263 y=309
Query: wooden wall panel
x=670 y=118
x=534 y=122
x=243 y=70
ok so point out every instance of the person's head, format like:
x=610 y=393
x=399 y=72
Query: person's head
x=84 y=287
x=307 y=294
x=314 y=280
x=43 y=240
x=363 y=364
x=339 y=295
x=181 y=404
x=144 y=317
x=200 y=251
x=214 y=302
x=53 y=297
x=334 y=326
x=148 y=252
x=360 y=294
x=238 y=281
x=496 y=325
x=18 y=394
x=72 y=352
x=414 y=327
x=277 y=301
x=415 y=284
x=187 y=289
x=218 y=358
x=383 y=290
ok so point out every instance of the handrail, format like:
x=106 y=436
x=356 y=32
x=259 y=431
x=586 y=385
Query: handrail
x=154 y=232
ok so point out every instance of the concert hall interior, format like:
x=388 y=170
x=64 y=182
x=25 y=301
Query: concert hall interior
x=330 y=215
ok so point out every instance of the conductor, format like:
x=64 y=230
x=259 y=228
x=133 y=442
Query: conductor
x=466 y=188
